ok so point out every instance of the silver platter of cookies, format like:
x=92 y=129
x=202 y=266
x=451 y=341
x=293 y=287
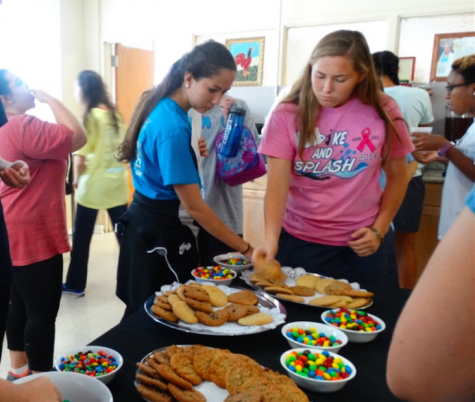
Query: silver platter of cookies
x=215 y=310
x=200 y=373
x=298 y=286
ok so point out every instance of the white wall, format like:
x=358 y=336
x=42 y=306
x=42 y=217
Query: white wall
x=30 y=45
x=310 y=12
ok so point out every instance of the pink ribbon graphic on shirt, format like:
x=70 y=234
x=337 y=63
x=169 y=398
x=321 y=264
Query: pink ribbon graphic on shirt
x=366 y=141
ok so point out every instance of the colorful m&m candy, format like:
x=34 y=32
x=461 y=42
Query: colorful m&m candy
x=320 y=366
x=215 y=273
x=354 y=320
x=89 y=363
x=311 y=337
x=234 y=261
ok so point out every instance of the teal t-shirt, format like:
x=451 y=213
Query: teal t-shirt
x=164 y=155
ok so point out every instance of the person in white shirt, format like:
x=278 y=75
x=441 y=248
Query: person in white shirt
x=416 y=109
x=458 y=156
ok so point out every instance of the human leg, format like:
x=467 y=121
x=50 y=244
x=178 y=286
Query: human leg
x=115 y=214
x=139 y=273
x=40 y=281
x=16 y=324
x=76 y=278
x=406 y=258
x=406 y=224
x=4 y=306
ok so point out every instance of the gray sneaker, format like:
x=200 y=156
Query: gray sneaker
x=13 y=377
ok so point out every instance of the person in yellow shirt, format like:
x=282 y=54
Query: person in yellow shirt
x=100 y=180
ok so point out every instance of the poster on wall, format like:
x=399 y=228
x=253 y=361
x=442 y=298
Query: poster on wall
x=447 y=49
x=248 y=54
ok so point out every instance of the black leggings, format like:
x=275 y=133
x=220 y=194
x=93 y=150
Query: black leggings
x=35 y=297
x=4 y=304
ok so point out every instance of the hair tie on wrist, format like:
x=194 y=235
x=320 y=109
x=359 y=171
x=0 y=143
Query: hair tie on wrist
x=247 y=249
x=376 y=232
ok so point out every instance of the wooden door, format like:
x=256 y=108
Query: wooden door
x=134 y=74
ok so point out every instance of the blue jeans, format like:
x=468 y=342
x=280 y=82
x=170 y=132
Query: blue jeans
x=339 y=262
x=83 y=230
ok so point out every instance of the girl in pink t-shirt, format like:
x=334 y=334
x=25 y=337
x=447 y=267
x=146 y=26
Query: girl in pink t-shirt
x=36 y=220
x=326 y=145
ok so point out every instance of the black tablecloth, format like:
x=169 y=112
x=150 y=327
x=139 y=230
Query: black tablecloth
x=138 y=335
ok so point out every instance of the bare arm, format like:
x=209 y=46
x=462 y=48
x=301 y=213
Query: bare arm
x=79 y=166
x=278 y=179
x=16 y=174
x=366 y=242
x=191 y=199
x=64 y=116
x=446 y=288
x=430 y=142
x=411 y=169
x=30 y=391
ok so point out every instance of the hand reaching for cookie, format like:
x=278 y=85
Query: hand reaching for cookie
x=270 y=270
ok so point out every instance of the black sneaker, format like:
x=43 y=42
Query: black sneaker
x=74 y=292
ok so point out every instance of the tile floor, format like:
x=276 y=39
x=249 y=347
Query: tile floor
x=81 y=320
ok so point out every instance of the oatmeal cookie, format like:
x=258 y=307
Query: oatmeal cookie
x=182 y=363
x=302 y=291
x=148 y=370
x=246 y=396
x=183 y=395
x=202 y=360
x=161 y=357
x=153 y=382
x=243 y=297
x=162 y=313
x=152 y=394
x=236 y=377
x=169 y=374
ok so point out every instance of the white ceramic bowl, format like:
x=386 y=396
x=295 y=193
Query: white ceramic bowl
x=320 y=328
x=225 y=282
x=73 y=387
x=106 y=378
x=312 y=384
x=237 y=268
x=356 y=336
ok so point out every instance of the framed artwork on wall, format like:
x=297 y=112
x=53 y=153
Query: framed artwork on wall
x=249 y=56
x=447 y=48
x=406 y=69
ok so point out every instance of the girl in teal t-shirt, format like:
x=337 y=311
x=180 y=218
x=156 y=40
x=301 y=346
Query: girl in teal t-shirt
x=156 y=248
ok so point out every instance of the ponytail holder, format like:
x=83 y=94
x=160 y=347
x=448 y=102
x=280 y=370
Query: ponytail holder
x=247 y=249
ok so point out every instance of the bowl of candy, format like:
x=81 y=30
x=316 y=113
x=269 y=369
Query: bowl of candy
x=96 y=362
x=73 y=387
x=358 y=325
x=235 y=261
x=300 y=334
x=217 y=275
x=317 y=370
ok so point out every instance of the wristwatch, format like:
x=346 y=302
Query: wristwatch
x=442 y=152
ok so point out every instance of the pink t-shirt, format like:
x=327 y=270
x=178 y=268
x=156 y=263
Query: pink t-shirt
x=36 y=215
x=337 y=189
